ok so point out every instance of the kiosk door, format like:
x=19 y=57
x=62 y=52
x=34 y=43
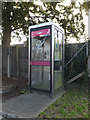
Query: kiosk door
x=40 y=58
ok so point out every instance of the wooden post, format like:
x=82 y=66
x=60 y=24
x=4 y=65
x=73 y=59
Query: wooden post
x=87 y=49
x=89 y=42
x=8 y=63
x=1 y=68
x=17 y=61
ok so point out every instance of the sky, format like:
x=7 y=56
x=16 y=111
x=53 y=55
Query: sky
x=15 y=40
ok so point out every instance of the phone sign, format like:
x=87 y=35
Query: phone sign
x=40 y=32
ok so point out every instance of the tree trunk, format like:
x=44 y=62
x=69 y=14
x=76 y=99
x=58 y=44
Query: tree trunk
x=6 y=39
x=6 y=24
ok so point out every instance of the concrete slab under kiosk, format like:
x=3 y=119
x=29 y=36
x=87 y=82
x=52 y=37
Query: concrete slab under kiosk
x=28 y=105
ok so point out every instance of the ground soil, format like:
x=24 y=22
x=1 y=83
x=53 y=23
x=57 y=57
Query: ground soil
x=13 y=87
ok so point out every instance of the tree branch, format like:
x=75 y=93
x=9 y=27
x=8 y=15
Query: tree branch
x=18 y=28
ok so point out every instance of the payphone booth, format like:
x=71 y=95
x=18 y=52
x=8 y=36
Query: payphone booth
x=46 y=57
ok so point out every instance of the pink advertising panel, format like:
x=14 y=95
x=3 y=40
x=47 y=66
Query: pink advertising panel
x=46 y=63
x=40 y=32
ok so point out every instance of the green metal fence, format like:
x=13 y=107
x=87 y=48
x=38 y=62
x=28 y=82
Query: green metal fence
x=75 y=60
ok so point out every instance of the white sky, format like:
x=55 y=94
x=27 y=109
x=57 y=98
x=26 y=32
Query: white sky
x=15 y=40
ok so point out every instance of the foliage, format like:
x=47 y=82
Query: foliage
x=23 y=91
x=13 y=16
x=67 y=17
x=18 y=16
x=86 y=6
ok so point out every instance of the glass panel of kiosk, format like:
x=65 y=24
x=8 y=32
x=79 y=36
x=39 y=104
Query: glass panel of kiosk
x=57 y=59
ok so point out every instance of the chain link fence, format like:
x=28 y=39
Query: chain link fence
x=78 y=56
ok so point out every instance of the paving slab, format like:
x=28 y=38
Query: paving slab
x=28 y=105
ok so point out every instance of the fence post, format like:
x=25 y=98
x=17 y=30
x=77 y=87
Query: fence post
x=17 y=61
x=87 y=49
x=8 y=62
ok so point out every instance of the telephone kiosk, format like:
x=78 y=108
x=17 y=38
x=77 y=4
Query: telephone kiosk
x=46 y=57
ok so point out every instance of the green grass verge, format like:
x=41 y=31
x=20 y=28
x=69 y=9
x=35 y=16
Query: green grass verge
x=73 y=104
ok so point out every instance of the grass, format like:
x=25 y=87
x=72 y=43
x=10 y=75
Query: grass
x=73 y=104
x=23 y=91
